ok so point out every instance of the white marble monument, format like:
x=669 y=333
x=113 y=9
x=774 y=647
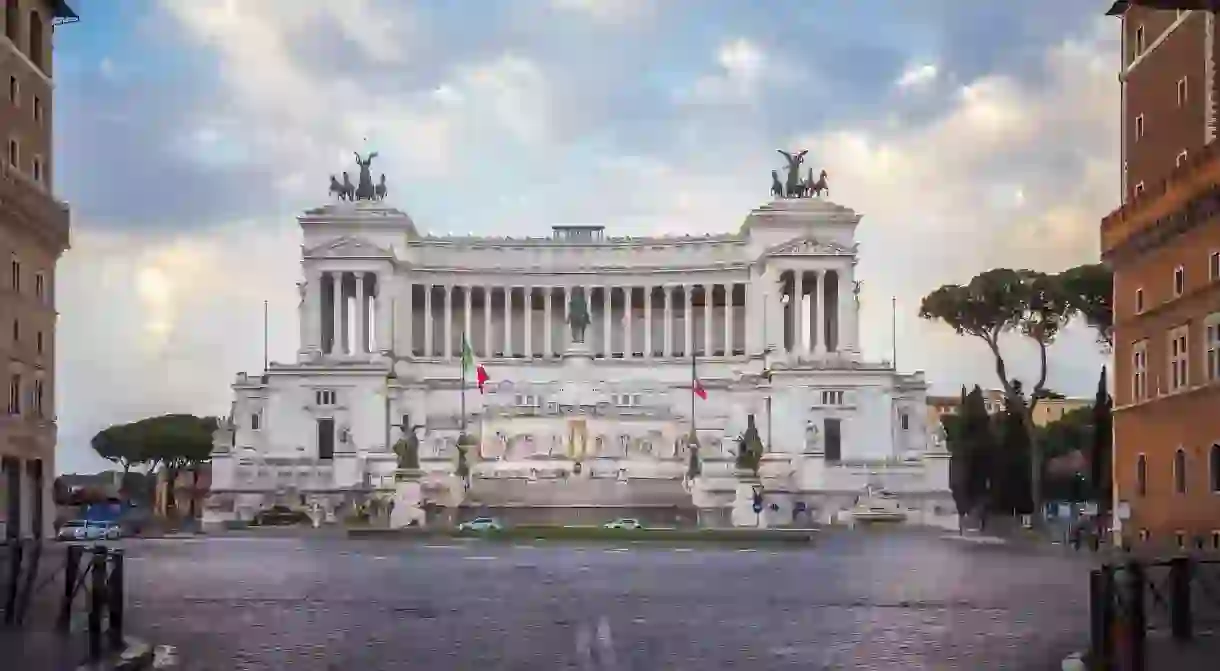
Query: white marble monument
x=586 y=429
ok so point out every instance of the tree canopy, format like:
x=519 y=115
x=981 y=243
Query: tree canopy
x=173 y=441
x=1036 y=306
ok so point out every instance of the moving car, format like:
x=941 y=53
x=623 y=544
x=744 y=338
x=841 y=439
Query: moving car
x=72 y=530
x=878 y=505
x=481 y=524
x=89 y=530
x=623 y=523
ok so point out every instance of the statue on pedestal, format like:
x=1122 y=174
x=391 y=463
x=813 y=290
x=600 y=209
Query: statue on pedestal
x=792 y=186
x=364 y=187
x=578 y=315
x=811 y=436
x=407 y=449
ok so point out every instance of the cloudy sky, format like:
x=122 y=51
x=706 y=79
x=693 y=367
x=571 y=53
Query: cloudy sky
x=190 y=132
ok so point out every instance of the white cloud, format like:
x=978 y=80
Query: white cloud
x=917 y=76
x=743 y=69
x=608 y=11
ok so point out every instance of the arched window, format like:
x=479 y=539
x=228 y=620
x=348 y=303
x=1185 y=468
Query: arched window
x=1179 y=472
x=1141 y=475
x=12 y=15
x=36 y=39
x=1215 y=468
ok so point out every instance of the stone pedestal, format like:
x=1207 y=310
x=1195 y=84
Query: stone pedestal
x=743 y=514
x=408 y=499
x=578 y=354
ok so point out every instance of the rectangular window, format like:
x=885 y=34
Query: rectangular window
x=14 y=153
x=1140 y=42
x=36 y=169
x=326 y=438
x=325 y=397
x=38 y=109
x=1211 y=347
x=40 y=286
x=1139 y=126
x=1181 y=92
x=1177 y=162
x=1139 y=301
x=15 y=267
x=1179 y=281
x=38 y=340
x=832 y=398
x=904 y=420
x=38 y=398
x=1139 y=368
x=1179 y=356
x=1213 y=266
x=16 y=330
x=254 y=421
x=834 y=439
x=14 y=394
x=14 y=90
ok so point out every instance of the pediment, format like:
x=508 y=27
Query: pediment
x=348 y=247
x=807 y=246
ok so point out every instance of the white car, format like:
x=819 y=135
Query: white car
x=623 y=523
x=72 y=530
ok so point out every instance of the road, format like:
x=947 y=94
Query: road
x=854 y=601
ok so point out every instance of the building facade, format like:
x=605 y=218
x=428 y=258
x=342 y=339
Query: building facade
x=34 y=232
x=767 y=318
x=1047 y=411
x=1164 y=247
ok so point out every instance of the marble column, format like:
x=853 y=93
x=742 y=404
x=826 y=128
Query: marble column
x=466 y=310
x=448 y=331
x=648 y=321
x=628 y=341
x=819 y=311
x=728 y=320
x=429 y=323
x=709 y=296
x=405 y=325
x=527 y=299
x=548 y=336
x=489 y=348
x=607 y=295
x=688 y=319
x=385 y=293
x=336 y=323
x=314 y=309
x=565 y=332
x=799 y=322
x=361 y=316
x=846 y=310
x=508 y=322
x=667 y=349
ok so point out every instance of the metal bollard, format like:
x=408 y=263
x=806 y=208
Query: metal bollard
x=71 y=575
x=97 y=600
x=14 y=579
x=114 y=597
x=1180 y=621
x=1137 y=627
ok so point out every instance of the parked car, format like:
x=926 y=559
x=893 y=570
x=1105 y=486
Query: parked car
x=481 y=524
x=72 y=530
x=279 y=516
x=111 y=531
x=623 y=523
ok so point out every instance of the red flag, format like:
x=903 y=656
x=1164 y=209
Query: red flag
x=481 y=377
x=697 y=388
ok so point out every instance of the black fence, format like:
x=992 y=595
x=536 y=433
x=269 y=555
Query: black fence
x=1137 y=603
x=53 y=587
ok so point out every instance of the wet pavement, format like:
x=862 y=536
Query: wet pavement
x=853 y=601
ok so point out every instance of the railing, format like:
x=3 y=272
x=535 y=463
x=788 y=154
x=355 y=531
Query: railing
x=1135 y=600
x=90 y=581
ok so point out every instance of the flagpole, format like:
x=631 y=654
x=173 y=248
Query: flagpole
x=693 y=377
x=465 y=345
x=264 y=336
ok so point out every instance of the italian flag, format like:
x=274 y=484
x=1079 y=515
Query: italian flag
x=696 y=386
x=480 y=373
